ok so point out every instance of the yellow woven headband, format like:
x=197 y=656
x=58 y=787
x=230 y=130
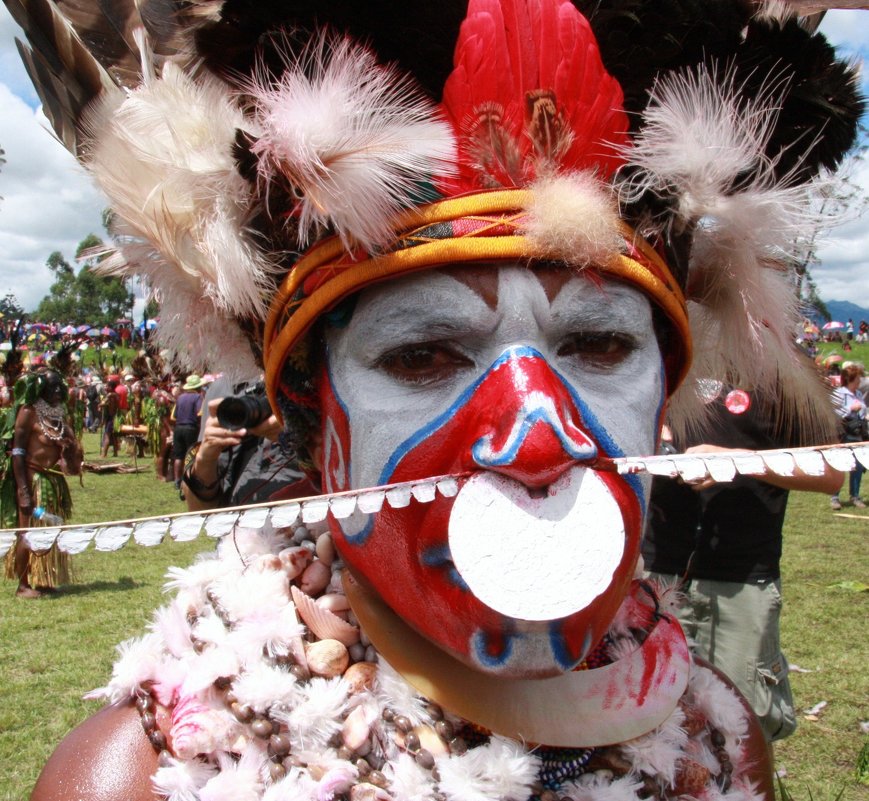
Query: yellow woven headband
x=480 y=227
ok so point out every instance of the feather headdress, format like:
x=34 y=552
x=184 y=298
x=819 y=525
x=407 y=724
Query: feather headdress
x=253 y=152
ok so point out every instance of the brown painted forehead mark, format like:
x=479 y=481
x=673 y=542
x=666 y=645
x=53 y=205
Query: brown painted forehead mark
x=553 y=277
x=482 y=278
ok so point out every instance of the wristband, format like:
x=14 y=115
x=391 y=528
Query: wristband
x=197 y=487
x=19 y=452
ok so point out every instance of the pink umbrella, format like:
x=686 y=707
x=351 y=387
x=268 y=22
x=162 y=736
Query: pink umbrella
x=833 y=325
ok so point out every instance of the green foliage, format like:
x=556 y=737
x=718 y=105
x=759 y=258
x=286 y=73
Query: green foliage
x=152 y=309
x=84 y=297
x=10 y=308
x=862 y=770
x=785 y=794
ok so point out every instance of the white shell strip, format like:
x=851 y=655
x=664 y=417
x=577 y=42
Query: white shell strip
x=725 y=466
x=111 y=536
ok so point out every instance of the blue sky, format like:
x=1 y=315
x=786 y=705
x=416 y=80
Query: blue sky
x=49 y=203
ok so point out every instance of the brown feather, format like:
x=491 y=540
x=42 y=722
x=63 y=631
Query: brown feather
x=64 y=72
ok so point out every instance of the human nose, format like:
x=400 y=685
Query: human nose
x=533 y=428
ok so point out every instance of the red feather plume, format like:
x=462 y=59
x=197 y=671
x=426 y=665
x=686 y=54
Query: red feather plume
x=529 y=96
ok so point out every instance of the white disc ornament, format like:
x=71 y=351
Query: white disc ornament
x=537 y=558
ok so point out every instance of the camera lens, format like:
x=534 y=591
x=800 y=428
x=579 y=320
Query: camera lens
x=243 y=411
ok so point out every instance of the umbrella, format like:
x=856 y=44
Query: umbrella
x=122 y=321
x=93 y=332
x=107 y=332
x=68 y=329
x=82 y=328
x=833 y=325
x=149 y=324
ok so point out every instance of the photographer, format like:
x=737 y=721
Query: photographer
x=235 y=464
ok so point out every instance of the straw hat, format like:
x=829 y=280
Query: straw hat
x=193 y=382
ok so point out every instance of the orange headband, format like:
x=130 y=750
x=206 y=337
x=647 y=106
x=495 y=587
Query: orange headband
x=485 y=226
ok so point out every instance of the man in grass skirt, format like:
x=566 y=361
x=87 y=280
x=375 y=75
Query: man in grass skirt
x=34 y=491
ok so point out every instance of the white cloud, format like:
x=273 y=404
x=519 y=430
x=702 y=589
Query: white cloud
x=48 y=201
x=842 y=273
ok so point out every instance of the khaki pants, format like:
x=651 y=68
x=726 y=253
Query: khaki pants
x=735 y=626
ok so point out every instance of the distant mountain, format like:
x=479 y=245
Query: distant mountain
x=841 y=310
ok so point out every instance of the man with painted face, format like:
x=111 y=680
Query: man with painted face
x=43 y=449
x=477 y=264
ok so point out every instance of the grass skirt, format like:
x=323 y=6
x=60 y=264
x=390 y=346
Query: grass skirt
x=51 y=491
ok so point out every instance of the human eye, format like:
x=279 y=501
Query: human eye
x=423 y=363
x=598 y=349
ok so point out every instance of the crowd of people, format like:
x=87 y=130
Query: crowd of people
x=143 y=410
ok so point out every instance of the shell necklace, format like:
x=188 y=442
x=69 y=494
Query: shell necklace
x=51 y=419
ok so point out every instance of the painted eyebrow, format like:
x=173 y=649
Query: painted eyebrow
x=603 y=309
x=423 y=311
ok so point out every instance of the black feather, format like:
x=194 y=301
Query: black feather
x=418 y=35
x=821 y=106
x=638 y=39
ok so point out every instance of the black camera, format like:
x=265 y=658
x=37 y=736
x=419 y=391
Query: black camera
x=247 y=410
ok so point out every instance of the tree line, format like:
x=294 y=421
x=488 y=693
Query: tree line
x=77 y=296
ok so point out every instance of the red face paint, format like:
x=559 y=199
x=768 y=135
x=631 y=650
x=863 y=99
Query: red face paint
x=521 y=420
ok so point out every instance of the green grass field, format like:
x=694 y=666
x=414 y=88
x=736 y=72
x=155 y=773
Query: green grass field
x=53 y=650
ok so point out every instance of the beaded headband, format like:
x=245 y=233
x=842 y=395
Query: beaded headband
x=483 y=227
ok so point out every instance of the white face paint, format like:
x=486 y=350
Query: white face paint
x=386 y=406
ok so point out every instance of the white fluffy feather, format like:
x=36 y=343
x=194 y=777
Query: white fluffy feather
x=137 y=662
x=657 y=752
x=698 y=137
x=498 y=771
x=317 y=715
x=702 y=138
x=243 y=596
x=194 y=579
x=237 y=781
x=408 y=781
x=592 y=787
x=201 y=336
x=295 y=786
x=269 y=628
x=394 y=692
x=181 y=780
x=353 y=137
x=574 y=218
x=718 y=702
x=262 y=686
x=164 y=158
x=205 y=668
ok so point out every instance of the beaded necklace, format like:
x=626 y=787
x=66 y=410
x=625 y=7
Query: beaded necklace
x=51 y=418
x=274 y=689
